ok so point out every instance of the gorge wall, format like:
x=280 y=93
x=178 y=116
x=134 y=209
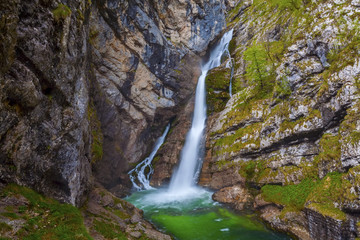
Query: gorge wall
x=287 y=143
x=87 y=86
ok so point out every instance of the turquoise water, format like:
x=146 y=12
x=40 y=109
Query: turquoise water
x=196 y=216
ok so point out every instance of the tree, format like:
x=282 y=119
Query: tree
x=257 y=63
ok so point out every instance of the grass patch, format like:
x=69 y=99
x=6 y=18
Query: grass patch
x=293 y=196
x=109 y=230
x=320 y=195
x=47 y=218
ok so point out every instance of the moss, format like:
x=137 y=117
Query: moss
x=119 y=213
x=252 y=170
x=243 y=137
x=96 y=134
x=320 y=195
x=288 y=125
x=293 y=196
x=109 y=230
x=232 y=46
x=93 y=34
x=330 y=150
x=4 y=227
x=80 y=15
x=328 y=210
x=217 y=87
x=46 y=218
x=330 y=189
x=61 y=12
x=10 y=215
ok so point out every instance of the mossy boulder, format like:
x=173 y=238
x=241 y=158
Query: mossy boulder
x=217 y=88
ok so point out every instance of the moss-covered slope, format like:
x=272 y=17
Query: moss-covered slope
x=292 y=127
x=25 y=214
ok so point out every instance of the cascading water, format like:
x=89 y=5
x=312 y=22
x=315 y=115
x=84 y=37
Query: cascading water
x=143 y=170
x=184 y=177
x=184 y=210
x=230 y=65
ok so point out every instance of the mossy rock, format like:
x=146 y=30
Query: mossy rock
x=217 y=87
x=96 y=134
x=61 y=12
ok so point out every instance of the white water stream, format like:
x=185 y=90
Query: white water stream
x=183 y=181
x=140 y=175
x=185 y=176
x=185 y=210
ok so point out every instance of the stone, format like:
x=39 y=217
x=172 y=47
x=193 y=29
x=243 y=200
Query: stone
x=237 y=196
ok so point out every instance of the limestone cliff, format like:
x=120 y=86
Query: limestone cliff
x=87 y=86
x=145 y=66
x=290 y=133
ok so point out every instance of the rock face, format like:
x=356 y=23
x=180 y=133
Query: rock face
x=291 y=128
x=44 y=94
x=145 y=70
x=87 y=86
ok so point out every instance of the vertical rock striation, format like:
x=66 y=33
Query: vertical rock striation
x=140 y=90
x=44 y=134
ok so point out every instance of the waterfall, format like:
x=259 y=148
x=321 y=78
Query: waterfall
x=230 y=65
x=185 y=176
x=142 y=172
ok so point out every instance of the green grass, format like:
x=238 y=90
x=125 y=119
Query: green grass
x=46 y=218
x=10 y=215
x=109 y=230
x=319 y=195
x=292 y=195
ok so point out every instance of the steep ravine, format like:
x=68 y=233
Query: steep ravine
x=85 y=89
x=87 y=86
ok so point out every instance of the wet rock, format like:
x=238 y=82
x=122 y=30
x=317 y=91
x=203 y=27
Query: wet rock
x=237 y=196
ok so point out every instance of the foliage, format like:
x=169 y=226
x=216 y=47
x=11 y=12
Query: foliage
x=330 y=149
x=61 y=12
x=318 y=194
x=4 y=227
x=331 y=189
x=287 y=4
x=256 y=70
x=282 y=88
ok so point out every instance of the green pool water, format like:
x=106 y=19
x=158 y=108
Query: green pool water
x=196 y=216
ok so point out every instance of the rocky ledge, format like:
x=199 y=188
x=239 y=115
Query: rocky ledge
x=27 y=214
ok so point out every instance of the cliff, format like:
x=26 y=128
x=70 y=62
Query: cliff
x=287 y=143
x=87 y=86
